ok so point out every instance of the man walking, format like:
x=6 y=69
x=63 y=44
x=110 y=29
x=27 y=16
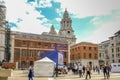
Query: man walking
x=80 y=70
x=88 y=72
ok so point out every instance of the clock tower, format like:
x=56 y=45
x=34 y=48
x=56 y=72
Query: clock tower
x=66 y=30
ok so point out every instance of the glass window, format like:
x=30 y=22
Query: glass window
x=90 y=55
x=95 y=56
x=31 y=53
x=78 y=56
x=95 y=48
x=89 y=48
x=38 y=53
x=100 y=55
x=24 y=43
x=112 y=55
x=112 y=50
x=84 y=47
x=23 y=53
x=85 y=55
x=65 y=55
x=31 y=43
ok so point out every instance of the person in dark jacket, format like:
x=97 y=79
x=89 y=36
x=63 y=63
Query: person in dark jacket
x=31 y=73
x=105 y=71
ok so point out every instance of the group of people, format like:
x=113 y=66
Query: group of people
x=78 y=69
x=81 y=70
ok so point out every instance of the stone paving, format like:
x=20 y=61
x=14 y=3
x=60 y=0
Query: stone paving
x=69 y=76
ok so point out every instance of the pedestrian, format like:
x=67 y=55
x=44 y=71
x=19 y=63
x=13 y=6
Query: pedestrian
x=80 y=70
x=31 y=73
x=83 y=70
x=88 y=72
x=55 y=73
x=108 y=71
x=105 y=71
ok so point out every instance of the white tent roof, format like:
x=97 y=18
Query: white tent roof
x=46 y=59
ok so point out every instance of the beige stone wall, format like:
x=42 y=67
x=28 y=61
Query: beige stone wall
x=5 y=73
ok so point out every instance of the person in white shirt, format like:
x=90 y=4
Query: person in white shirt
x=80 y=70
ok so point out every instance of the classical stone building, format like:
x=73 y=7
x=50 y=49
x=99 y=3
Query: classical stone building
x=27 y=47
x=115 y=48
x=66 y=32
x=84 y=53
x=109 y=51
x=103 y=50
x=2 y=30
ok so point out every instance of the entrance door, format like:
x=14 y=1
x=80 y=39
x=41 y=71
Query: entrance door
x=90 y=63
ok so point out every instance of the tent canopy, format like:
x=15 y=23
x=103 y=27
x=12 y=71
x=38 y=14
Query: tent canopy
x=45 y=59
x=44 y=67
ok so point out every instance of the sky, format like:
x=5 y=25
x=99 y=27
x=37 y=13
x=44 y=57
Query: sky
x=92 y=20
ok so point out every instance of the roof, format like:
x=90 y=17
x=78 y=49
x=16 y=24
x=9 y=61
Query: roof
x=46 y=59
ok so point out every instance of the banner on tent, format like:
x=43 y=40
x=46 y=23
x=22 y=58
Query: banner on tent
x=60 y=59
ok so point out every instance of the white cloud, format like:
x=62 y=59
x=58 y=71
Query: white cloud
x=84 y=8
x=58 y=19
x=104 y=32
x=17 y=9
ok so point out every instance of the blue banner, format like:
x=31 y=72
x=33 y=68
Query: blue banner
x=55 y=55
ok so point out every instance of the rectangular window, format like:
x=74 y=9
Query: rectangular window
x=23 y=53
x=84 y=55
x=31 y=54
x=95 y=56
x=65 y=55
x=112 y=55
x=24 y=42
x=112 y=50
x=84 y=47
x=95 y=48
x=39 y=43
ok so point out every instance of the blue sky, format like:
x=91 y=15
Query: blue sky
x=92 y=20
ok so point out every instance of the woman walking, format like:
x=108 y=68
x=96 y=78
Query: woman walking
x=31 y=73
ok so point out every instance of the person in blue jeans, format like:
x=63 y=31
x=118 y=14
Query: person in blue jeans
x=108 y=71
x=31 y=73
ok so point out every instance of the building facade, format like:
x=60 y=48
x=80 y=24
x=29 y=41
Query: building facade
x=103 y=50
x=115 y=48
x=109 y=51
x=84 y=53
x=27 y=47
x=2 y=30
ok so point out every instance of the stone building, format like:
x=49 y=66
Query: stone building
x=103 y=51
x=2 y=29
x=27 y=47
x=66 y=32
x=84 y=53
x=109 y=51
x=115 y=48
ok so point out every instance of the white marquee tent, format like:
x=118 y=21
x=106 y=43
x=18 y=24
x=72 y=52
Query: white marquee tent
x=44 y=67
